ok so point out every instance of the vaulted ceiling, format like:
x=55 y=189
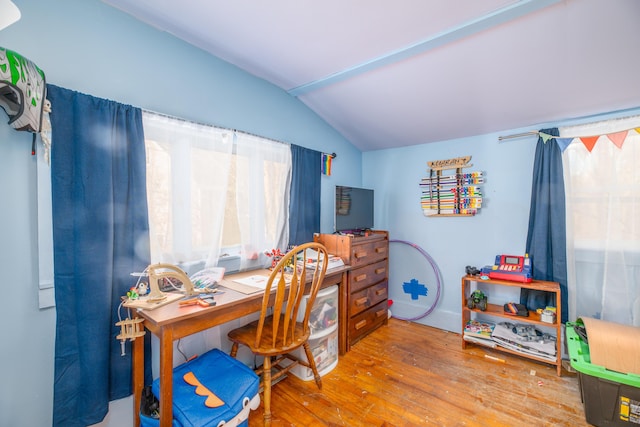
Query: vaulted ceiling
x=397 y=73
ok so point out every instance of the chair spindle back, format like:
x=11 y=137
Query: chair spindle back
x=299 y=273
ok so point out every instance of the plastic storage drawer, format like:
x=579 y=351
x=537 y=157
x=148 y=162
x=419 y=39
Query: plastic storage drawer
x=324 y=313
x=324 y=347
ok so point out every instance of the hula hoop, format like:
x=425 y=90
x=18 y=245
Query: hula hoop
x=437 y=272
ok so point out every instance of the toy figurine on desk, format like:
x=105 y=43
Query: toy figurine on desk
x=275 y=255
x=159 y=275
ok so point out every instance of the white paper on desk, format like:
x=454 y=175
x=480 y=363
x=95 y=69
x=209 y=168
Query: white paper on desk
x=256 y=281
x=334 y=261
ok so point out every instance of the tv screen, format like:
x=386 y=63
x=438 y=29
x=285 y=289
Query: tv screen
x=353 y=209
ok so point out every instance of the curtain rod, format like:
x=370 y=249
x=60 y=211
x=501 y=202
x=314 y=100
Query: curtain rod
x=169 y=116
x=518 y=135
x=600 y=117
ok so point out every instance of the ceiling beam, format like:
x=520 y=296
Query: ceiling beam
x=451 y=35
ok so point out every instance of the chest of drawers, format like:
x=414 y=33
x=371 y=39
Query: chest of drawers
x=366 y=292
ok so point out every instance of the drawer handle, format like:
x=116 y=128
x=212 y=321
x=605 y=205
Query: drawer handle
x=360 y=254
x=380 y=270
x=381 y=291
x=361 y=301
x=360 y=278
x=381 y=250
x=381 y=313
x=361 y=324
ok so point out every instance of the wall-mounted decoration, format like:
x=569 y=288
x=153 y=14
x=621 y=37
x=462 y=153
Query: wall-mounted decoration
x=326 y=162
x=456 y=194
x=22 y=91
x=23 y=96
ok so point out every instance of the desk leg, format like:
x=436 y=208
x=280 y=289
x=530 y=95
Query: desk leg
x=166 y=377
x=137 y=374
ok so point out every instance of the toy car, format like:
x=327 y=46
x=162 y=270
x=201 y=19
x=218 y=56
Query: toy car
x=477 y=299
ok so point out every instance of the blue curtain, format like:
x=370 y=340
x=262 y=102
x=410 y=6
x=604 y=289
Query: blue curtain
x=100 y=236
x=304 y=204
x=547 y=237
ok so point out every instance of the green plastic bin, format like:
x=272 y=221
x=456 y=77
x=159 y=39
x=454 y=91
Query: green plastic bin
x=610 y=398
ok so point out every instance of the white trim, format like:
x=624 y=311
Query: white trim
x=46 y=293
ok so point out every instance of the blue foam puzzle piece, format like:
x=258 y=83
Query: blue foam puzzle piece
x=414 y=288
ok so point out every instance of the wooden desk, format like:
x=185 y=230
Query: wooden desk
x=172 y=322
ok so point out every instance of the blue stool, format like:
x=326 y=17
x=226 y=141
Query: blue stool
x=211 y=390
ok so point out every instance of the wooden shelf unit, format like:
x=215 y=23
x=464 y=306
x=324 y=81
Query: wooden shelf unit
x=496 y=310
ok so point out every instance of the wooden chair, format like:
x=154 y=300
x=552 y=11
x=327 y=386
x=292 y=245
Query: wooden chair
x=282 y=327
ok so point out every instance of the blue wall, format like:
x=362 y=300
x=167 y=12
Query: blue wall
x=92 y=48
x=452 y=242
x=455 y=242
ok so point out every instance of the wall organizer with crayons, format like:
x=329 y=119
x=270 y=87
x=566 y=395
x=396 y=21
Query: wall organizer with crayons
x=452 y=194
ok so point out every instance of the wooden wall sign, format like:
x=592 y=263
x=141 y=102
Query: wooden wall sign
x=458 y=162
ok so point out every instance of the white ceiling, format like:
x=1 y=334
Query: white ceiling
x=398 y=73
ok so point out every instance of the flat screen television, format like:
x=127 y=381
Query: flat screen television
x=353 y=209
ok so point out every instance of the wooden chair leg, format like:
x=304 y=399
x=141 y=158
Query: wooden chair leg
x=234 y=350
x=266 y=383
x=312 y=364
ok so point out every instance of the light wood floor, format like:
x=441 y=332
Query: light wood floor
x=407 y=374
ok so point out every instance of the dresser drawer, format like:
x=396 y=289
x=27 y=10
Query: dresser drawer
x=362 y=277
x=366 y=253
x=367 y=321
x=367 y=297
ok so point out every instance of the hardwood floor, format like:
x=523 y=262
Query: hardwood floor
x=407 y=374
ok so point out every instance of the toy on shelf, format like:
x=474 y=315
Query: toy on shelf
x=510 y=267
x=477 y=300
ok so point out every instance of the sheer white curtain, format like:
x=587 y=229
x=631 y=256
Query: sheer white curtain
x=603 y=225
x=214 y=193
x=188 y=168
x=263 y=177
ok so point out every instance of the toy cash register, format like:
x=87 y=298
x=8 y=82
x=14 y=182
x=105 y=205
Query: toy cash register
x=510 y=267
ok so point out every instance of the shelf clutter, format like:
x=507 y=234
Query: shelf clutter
x=519 y=337
x=530 y=336
x=457 y=194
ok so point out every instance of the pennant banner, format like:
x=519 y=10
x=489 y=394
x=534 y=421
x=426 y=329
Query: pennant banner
x=563 y=143
x=589 y=141
x=545 y=137
x=618 y=138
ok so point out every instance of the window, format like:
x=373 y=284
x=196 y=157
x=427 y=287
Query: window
x=214 y=193
x=605 y=177
x=603 y=232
